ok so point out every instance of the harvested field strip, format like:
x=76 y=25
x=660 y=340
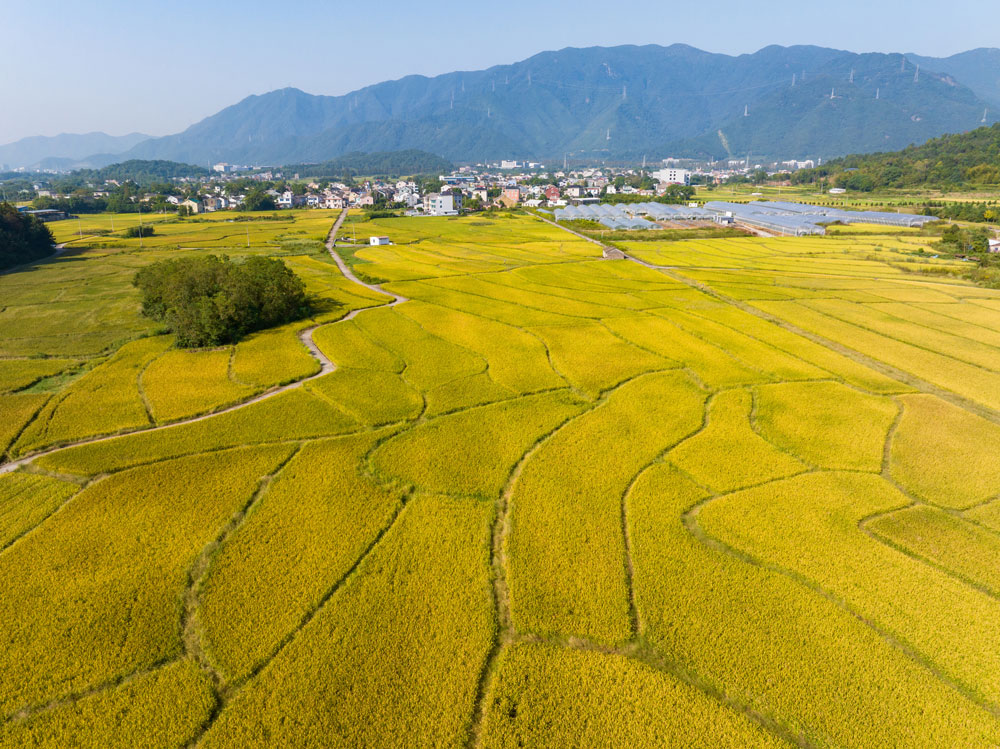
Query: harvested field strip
x=565 y=550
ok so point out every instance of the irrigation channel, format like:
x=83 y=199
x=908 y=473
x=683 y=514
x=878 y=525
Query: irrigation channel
x=306 y=336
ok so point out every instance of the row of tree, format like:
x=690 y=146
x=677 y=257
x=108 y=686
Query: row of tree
x=23 y=238
x=947 y=162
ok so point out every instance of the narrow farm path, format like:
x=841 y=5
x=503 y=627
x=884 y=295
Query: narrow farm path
x=306 y=336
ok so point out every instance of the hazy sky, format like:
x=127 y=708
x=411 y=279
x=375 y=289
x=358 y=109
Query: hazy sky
x=116 y=66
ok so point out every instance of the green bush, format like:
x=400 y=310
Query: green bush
x=138 y=231
x=22 y=238
x=212 y=300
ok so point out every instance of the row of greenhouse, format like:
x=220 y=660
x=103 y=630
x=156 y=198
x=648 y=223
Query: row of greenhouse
x=780 y=217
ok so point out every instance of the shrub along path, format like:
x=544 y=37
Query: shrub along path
x=306 y=336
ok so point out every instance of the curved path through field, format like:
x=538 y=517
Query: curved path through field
x=306 y=336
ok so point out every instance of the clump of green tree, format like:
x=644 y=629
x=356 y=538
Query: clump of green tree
x=947 y=162
x=133 y=232
x=22 y=238
x=258 y=200
x=212 y=300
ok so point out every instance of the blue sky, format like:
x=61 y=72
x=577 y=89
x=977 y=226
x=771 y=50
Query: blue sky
x=71 y=66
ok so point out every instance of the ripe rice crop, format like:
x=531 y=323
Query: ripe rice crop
x=773 y=362
x=347 y=346
x=431 y=361
x=808 y=525
x=410 y=629
x=20 y=373
x=826 y=424
x=711 y=364
x=955 y=544
x=113 y=564
x=373 y=398
x=186 y=383
x=164 y=707
x=26 y=499
x=517 y=360
x=477 y=304
x=840 y=366
x=106 y=400
x=945 y=455
x=272 y=357
x=466 y=392
x=594 y=359
x=473 y=451
x=872 y=317
x=295 y=414
x=727 y=454
x=965 y=379
x=774 y=645
x=565 y=550
x=17 y=410
x=321 y=506
x=550 y=696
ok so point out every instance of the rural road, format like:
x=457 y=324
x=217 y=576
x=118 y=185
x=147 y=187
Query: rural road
x=326 y=366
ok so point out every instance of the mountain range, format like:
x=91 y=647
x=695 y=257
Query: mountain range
x=68 y=150
x=615 y=103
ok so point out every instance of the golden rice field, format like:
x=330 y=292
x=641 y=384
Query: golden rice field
x=728 y=492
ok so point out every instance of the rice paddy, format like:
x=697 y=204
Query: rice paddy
x=743 y=493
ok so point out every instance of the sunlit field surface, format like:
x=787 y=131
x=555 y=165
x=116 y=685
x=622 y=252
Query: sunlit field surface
x=745 y=492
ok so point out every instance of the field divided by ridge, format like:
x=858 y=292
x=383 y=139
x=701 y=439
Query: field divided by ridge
x=744 y=492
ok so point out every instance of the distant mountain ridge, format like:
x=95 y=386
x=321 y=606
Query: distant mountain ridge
x=979 y=69
x=68 y=150
x=612 y=103
x=617 y=102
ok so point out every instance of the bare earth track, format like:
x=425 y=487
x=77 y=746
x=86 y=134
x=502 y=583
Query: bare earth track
x=326 y=366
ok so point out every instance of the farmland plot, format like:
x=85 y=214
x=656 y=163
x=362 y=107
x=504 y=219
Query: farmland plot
x=748 y=500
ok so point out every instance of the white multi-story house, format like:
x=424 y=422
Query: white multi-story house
x=673 y=176
x=443 y=204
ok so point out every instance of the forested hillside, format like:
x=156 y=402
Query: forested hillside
x=948 y=161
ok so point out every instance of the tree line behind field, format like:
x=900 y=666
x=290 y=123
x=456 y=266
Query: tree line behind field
x=950 y=161
x=23 y=238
